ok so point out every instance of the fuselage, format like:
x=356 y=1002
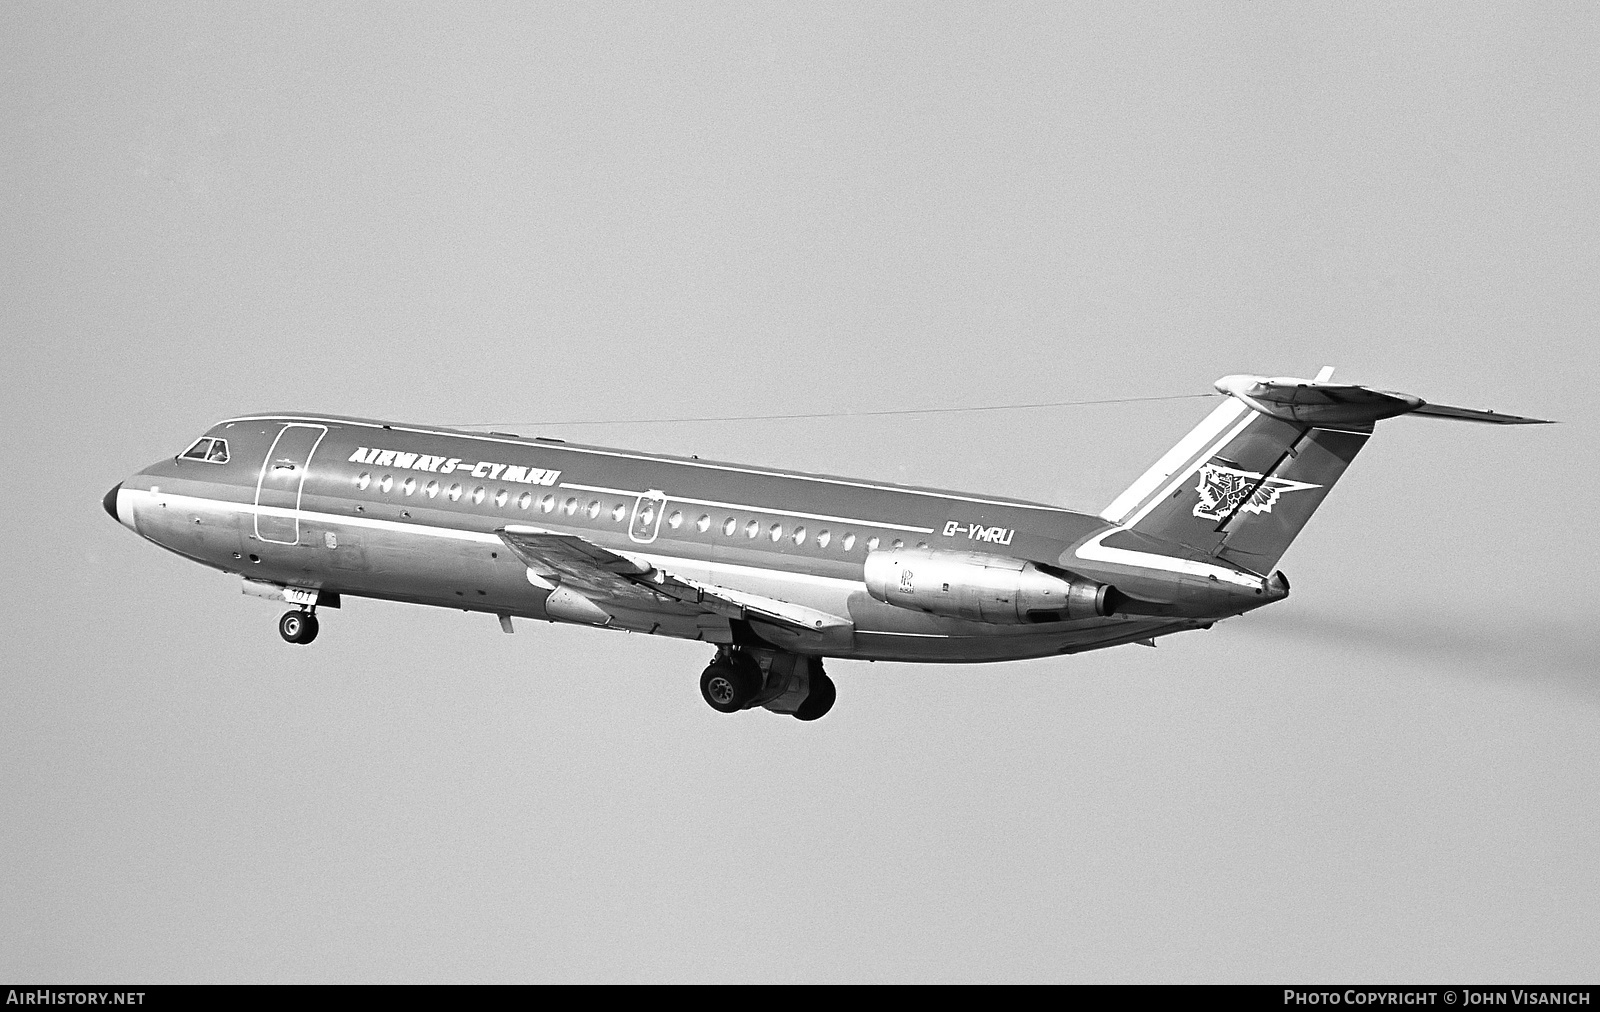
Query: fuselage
x=358 y=507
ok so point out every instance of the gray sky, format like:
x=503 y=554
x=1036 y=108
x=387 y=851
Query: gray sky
x=504 y=214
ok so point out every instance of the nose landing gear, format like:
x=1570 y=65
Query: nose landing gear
x=298 y=627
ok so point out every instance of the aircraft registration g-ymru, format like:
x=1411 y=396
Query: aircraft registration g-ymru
x=778 y=570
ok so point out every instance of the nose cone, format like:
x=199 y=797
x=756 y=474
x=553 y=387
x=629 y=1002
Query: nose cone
x=110 y=501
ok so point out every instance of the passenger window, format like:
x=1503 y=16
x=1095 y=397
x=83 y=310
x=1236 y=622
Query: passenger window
x=729 y=525
x=799 y=535
x=431 y=488
x=524 y=500
x=675 y=520
x=386 y=482
x=703 y=523
x=776 y=532
x=408 y=486
x=898 y=543
x=477 y=494
x=594 y=509
x=570 y=506
x=619 y=511
x=500 y=497
x=849 y=541
x=751 y=529
x=823 y=537
x=363 y=480
x=455 y=492
x=872 y=544
x=547 y=504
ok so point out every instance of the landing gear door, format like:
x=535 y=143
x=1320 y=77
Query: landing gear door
x=282 y=482
x=647 y=517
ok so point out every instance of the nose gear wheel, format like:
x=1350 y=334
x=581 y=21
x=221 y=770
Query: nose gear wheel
x=298 y=627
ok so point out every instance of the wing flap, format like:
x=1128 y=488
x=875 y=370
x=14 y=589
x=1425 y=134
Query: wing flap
x=771 y=609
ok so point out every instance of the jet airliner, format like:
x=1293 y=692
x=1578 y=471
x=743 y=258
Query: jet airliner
x=776 y=570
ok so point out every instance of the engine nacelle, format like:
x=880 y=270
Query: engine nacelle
x=983 y=588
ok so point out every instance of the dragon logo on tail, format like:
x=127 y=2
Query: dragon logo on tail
x=1226 y=490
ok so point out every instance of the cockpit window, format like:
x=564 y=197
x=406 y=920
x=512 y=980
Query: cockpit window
x=212 y=451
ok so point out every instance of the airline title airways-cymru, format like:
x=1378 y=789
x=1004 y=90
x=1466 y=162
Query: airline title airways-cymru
x=775 y=570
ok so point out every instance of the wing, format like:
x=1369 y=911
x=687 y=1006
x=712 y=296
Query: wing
x=570 y=561
x=613 y=580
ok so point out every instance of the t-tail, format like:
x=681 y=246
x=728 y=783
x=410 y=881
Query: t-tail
x=1243 y=483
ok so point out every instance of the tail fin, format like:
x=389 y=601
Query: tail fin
x=1240 y=486
x=1245 y=481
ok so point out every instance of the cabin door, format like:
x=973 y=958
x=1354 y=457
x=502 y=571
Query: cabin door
x=647 y=517
x=282 y=482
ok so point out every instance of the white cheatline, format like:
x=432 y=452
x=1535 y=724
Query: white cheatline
x=425 y=530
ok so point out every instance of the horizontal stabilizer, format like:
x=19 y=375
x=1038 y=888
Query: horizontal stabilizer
x=1472 y=415
x=1320 y=403
x=1244 y=482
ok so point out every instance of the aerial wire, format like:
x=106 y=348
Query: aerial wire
x=826 y=414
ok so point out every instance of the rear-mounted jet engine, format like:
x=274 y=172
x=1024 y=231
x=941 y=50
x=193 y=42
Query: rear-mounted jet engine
x=984 y=588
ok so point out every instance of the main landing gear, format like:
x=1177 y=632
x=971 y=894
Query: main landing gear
x=820 y=700
x=742 y=678
x=298 y=626
x=731 y=682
